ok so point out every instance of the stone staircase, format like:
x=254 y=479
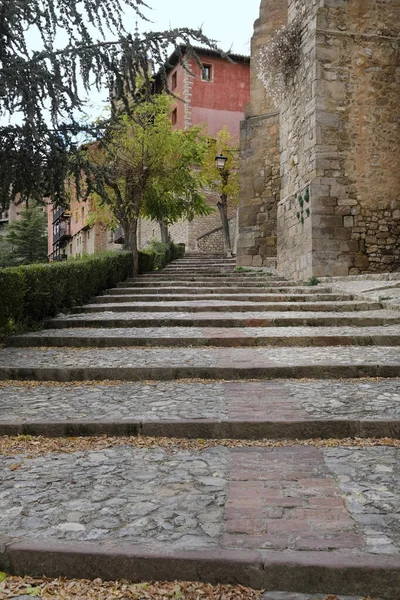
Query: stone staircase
x=227 y=399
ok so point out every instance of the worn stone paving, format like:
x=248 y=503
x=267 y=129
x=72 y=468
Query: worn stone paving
x=119 y=495
x=370 y=484
x=198 y=357
x=227 y=306
x=392 y=317
x=297 y=498
x=366 y=399
x=210 y=332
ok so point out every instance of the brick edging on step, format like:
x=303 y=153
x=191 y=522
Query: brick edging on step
x=308 y=572
x=210 y=428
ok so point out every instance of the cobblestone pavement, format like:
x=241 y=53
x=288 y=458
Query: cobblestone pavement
x=369 y=400
x=211 y=332
x=158 y=317
x=370 y=482
x=198 y=357
x=119 y=495
x=229 y=305
x=297 y=498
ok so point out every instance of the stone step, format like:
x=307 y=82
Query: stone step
x=227 y=307
x=112 y=298
x=201 y=263
x=269 y=518
x=218 y=270
x=138 y=364
x=184 y=290
x=255 y=319
x=194 y=275
x=212 y=410
x=208 y=283
x=217 y=337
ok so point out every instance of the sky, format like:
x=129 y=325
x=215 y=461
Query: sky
x=229 y=22
x=226 y=22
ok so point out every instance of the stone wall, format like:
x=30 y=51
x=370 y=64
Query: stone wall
x=259 y=154
x=185 y=232
x=213 y=241
x=359 y=58
x=339 y=146
x=297 y=159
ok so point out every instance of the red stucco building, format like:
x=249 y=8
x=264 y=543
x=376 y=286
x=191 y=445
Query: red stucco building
x=215 y=97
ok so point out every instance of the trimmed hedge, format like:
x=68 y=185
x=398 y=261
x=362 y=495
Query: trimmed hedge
x=158 y=255
x=29 y=294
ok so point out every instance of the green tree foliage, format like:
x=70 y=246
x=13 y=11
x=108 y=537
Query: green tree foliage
x=79 y=44
x=226 y=181
x=143 y=168
x=26 y=239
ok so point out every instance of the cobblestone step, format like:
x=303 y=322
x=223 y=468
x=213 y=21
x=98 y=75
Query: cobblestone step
x=223 y=337
x=276 y=518
x=254 y=319
x=208 y=410
x=193 y=275
x=110 y=298
x=228 y=307
x=136 y=364
x=208 y=283
x=175 y=290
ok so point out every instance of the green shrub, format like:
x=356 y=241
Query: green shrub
x=31 y=293
x=158 y=255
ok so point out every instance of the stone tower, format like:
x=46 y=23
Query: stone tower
x=259 y=143
x=339 y=136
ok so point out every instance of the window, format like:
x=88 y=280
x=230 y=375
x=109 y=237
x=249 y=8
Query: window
x=206 y=73
x=174 y=116
x=174 y=80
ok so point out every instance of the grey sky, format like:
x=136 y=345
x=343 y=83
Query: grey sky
x=225 y=22
x=228 y=21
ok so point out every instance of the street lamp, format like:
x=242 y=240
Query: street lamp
x=220 y=161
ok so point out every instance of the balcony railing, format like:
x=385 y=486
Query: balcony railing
x=62 y=232
x=61 y=212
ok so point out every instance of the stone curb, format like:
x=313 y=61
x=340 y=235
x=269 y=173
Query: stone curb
x=337 y=307
x=177 y=321
x=234 y=373
x=99 y=341
x=223 y=297
x=305 y=572
x=209 y=429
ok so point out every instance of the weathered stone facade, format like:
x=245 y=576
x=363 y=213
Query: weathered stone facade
x=259 y=147
x=185 y=232
x=212 y=242
x=339 y=208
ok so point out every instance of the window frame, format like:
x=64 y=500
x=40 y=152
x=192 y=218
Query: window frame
x=209 y=68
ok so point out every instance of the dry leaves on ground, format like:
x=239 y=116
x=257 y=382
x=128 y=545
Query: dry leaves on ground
x=32 y=446
x=83 y=589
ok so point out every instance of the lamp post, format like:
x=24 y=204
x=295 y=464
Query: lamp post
x=220 y=163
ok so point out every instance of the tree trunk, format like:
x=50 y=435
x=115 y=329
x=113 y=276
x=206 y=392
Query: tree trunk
x=130 y=242
x=164 y=232
x=223 y=212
